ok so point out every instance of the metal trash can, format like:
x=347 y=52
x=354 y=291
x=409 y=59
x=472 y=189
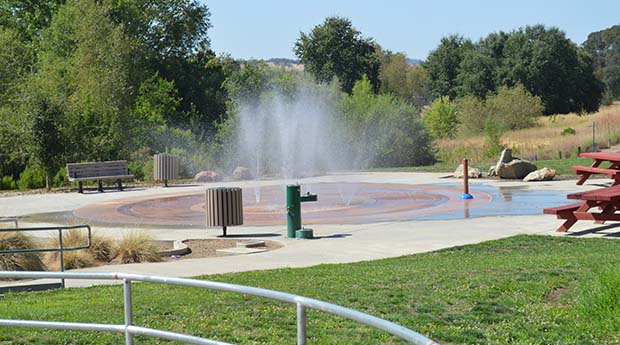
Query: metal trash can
x=165 y=167
x=224 y=207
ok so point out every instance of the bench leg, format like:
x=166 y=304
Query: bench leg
x=80 y=189
x=567 y=225
x=120 y=185
x=100 y=189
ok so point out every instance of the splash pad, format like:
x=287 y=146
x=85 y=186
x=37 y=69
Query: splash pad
x=339 y=203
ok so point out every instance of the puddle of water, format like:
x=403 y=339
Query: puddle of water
x=507 y=201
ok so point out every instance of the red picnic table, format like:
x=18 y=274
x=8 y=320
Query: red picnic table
x=613 y=170
x=606 y=200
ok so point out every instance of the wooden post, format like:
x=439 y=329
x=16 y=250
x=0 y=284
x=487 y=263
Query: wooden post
x=466 y=194
x=578 y=150
x=465 y=177
x=559 y=154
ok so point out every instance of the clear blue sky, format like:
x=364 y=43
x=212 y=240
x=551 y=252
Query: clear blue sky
x=264 y=29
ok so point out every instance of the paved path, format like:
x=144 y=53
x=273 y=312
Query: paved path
x=336 y=243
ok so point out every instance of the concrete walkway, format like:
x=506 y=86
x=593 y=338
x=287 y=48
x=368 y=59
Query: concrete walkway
x=336 y=243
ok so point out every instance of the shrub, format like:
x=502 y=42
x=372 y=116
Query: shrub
x=18 y=262
x=568 y=131
x=440 y=118
x=102 y=248
x=137 y=246
x=60 y=179
x=514 y=108
x=471 y=114
x=31 y=178
x=74 y=258
x=7 y=183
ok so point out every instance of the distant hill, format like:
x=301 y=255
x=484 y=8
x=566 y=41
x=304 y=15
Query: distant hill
x=283 y=61
x=414 y=61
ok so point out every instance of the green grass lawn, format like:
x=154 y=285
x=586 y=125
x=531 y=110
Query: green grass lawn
x=524 y=290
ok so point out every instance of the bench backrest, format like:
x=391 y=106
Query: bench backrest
x=96 y=169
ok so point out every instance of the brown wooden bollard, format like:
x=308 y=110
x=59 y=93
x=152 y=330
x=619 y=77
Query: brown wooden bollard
x=466 y=194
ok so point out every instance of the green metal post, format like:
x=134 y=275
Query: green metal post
x=293 y=209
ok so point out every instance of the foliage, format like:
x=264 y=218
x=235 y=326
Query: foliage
x=336 y=49
x=399 y=78
x=443 y=63
x=136 y=246
x=18 y=262
x=7 y=183
x=440 y=118
x=547 y=63
x=568 y=131
x=513 y=108
x=471 y=114
x=604 y=48
x=31 y=178
x=102 y=248
x=383 y=131
x=47 y=140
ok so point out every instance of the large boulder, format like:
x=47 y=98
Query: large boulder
x=241 y=173
x=471 y=172
x=505 y=157
x=515 y=169
x=207 y=176
x=544 y=174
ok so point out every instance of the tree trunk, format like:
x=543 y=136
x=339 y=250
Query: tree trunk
x=47 y=181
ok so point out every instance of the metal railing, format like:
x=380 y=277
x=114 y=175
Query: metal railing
x=10 y=220
x=60 y=249
x=130 y=329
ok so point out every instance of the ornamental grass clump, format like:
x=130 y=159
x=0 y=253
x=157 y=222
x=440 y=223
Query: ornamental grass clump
x=137 y=246
x=72 y=258
x=18 y=262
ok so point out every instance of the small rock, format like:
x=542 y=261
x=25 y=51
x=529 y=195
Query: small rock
x=544 y=174
x=241 y=173
x=207 y=176
x=471 y=172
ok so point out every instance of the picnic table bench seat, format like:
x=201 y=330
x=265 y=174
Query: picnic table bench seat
x=99 y=171
x=587 y=171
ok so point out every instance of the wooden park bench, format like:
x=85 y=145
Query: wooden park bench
x=109 y=170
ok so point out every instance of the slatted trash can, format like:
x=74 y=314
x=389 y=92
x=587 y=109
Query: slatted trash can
x=165 y=167
x=224 y=207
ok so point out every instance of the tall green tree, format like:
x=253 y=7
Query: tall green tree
x=604 y=47
x=443 y=64
x=336 y=49
x=398 y=77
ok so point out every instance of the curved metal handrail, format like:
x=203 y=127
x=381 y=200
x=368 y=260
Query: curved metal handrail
x=129 y=329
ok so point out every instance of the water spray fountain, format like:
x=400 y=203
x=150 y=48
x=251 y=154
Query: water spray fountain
x=293 y=211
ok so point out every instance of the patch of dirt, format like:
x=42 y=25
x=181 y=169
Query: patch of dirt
x=555 y=295
x=207 y=247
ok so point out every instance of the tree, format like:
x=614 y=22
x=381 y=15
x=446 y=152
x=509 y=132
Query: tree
x=440 y=118
x=47 y=140
x=403 y=80
x=550 y=66
x=604 y=48
x=443 y=64
x=28 y=17
x=336 y=49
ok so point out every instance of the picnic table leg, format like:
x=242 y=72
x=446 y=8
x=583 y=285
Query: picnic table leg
x=586 y=175
x=570 y=216
x=100 y=186
x=80 y=189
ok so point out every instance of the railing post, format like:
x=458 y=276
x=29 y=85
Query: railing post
x=61 y=256
x=301 y=324
x=127 y=306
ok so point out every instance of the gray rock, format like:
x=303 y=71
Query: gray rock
x=505 y=157
x=544 y=174
x=241 y=173
x=471 y=172
x=207 y=176
x=516 y=169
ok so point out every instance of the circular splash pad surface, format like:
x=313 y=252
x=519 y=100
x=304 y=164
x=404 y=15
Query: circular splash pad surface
x=338 y=203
